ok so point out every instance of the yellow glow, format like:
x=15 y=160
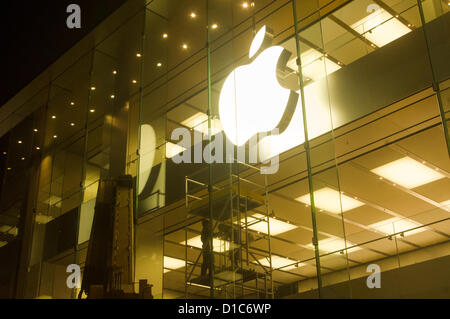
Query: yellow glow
x=165 y=35
x=173 y=149
x=276 y=226
x=20 y=142
x=93 y=88
x=251 y=99
x=134 y=81
x=278 y=262
x=92 y=110
x=147 y=151
x=172 y=263
x=334 y=244
x=43 y=219
x=380 y=27
x=193 y=15
x=72 y=103
x=159 y=64
x=3 y=243
x=396 y=225
x=72 y=124
x=199 y=123
x=214 y=26
x=330 y=200
x=55 y=136
x=245 y=5
x=408 y=173
x=219 y=245
x=184 y=46
x=113 y=96
x=138 y=55
x=114 y=72
x=53 y=116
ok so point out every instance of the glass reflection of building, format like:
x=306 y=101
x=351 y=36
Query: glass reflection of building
x=374 y=78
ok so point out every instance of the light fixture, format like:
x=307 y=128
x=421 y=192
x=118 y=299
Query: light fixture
x=93 y=88
x=19 y=142
x=330 y=200
x=138 y=55
x=134 y=81
x=278 y=262
x=9 y=168
x=193 y=15
x=35 y=130
x=72 y=103
x=172 y=263
x=173 y=149
x=380 y=27
x=407 y=172
x=4 y=153
x=114 y=72
x=165 y=35
x=38 y=148
x=397 y=225
x=112 y=96
x=159 y=64
x=92 y=110
x=245 y=5
x=334 y=245
x=214 y=26
x=53 y=116
x=184 y=46
x=219 y=245
x=314 y=66
x=256 y=223
x=22 y=158
x=199 y=123
x=72 y=124
x=55 y=136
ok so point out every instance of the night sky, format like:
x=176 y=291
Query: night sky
x=34 y=34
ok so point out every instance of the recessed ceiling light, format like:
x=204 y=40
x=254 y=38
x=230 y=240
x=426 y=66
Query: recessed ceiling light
x=112 y=96
x=245 y=5
x=9 y=168
x=173 y=149
x=193 y=15
x=219 y=245
x=35 y=130
x=159 y=64
x=134 y=81
x=172 y=263
x=114 y=72
x=92 y=110
x=184 y=46
x=38 y=148
x=55 y=136
x=276 y=226
x=407 y=172
x=330 y=200
x=334 y=245
x=72 y=103
x=4 y=153
x=278 y=262
x=22 y=158
x=53 y=116
x=397 y=225
x=138 y=55
x=165 y=35
x=93 y=88
x=72 y=124
x=20 y=142
x=214 y=26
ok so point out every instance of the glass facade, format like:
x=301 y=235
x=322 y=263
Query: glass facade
x=358 y=95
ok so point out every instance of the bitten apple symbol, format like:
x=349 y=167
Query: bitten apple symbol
x=252 y=100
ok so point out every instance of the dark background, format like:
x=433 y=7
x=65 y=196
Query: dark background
x=34 y=34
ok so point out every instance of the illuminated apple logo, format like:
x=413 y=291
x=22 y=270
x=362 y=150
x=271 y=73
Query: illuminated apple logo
x=252 y=99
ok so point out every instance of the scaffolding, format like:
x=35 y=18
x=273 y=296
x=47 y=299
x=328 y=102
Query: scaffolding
x=240 y=231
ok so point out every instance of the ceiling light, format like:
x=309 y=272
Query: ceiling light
x=193 y=15
x=55 y=136
x=92 y=110
x=407 y=172
x=199 y=123
x=114 y=72
x=4 y=153
x=138 y=55
x=165 y=35
x=380 y=28
x=19 y=142
x=93 y=88
x=330 y=200
x=72 y=103
x=245 y=5
x=23 y=158
x=113 y=96
x=35 y=130
x=72 y=124
x=276 y=226
x=9 y=168
x=214 y=26
x=184 y=46
x=173 y=149
x=334 y=245
x=313 y=65
x=397 y=225
x=278 y=262
x=38 y=148
x=134 y=81
x=53 y=116
x=159 y=64
x=172 y=263
x=219 y=245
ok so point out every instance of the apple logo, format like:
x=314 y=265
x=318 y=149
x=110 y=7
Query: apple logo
x=252 y=100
